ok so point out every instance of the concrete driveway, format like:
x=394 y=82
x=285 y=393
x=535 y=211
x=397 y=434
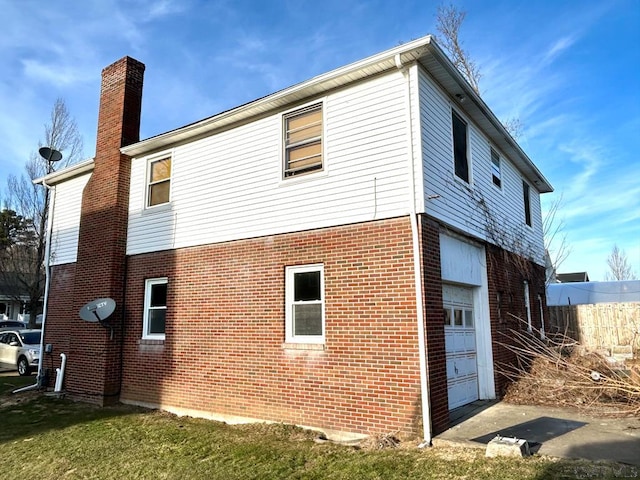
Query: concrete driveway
x=557 y=432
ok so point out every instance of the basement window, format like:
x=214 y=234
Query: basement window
x=304 y=291
x=155 y=308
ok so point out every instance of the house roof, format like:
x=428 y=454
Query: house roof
x=589 y=293
x=12 y=284
x=423 y=50
x=572 y=277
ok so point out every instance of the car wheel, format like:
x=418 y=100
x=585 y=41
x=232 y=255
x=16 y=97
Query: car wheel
x=23 y=367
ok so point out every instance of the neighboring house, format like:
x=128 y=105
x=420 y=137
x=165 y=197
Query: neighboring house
x=14 y=297
x=572 y=277
x=343 y=254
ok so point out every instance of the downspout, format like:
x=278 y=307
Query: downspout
x=417 y=264
x=47 y=282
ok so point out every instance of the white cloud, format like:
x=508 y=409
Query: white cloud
x=54 y=74
x=558 y=47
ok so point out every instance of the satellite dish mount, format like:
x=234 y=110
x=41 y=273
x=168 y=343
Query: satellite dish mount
x=98 y=311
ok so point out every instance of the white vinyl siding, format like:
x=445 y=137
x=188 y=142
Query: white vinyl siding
x=66 y=220
x=458 y=205
x=229 y=185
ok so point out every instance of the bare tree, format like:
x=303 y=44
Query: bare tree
x=23 y=263
x=555 y=238
x=62 y=134
x=514 y=126
x=619 y=268
x=448 y=22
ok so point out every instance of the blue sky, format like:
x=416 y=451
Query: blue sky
x=570 y=70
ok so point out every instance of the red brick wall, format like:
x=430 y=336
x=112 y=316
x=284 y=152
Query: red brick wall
x=506 y=275
x=436 y=354
x=61 y=317
x=225 y=330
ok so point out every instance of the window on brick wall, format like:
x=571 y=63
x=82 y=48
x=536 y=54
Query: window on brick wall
x=541 y=306
x=527 y=306
x=155 y=308
x=159 y=181
x=305 y=304
x=303 y=141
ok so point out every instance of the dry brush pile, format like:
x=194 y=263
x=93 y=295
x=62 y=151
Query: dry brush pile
x=558 y=372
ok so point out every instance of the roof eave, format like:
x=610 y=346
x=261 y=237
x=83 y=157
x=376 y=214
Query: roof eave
x=67 y=173
x=479 y=110
x=315 y=86
x=424 y=49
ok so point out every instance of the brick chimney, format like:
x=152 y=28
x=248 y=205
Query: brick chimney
x=94 y=360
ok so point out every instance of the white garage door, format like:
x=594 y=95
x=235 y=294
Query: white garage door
x=460 y=344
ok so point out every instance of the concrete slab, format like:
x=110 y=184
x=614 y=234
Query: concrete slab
x=557 y=432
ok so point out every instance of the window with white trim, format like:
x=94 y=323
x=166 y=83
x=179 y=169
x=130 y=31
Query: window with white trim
x=496 y=174
x=540 y=304
x=304 y=292
x=460 y=154
x=158 y=181
x=155 y=308
x=303 y=141
x=527 y=306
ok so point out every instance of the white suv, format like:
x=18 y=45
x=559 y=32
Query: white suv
x=20 y=349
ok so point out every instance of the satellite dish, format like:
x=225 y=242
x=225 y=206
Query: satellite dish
x=50 y=154
x=98 y=310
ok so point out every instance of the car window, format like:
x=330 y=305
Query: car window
x=11 y=323
x=31 y=338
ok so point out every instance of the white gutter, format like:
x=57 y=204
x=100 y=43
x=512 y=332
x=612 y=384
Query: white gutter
x=316 y=86
x=47 y=272
x=66 y=173
x=417 y=264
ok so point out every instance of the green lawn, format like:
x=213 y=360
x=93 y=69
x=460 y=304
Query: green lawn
x=46 y=438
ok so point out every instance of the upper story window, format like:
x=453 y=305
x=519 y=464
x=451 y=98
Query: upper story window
x=303 y=141
x=155 y=308
x=159 y=181
x=460 y=157
x=526 y=197
x=304 y=292
x=496 y=174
